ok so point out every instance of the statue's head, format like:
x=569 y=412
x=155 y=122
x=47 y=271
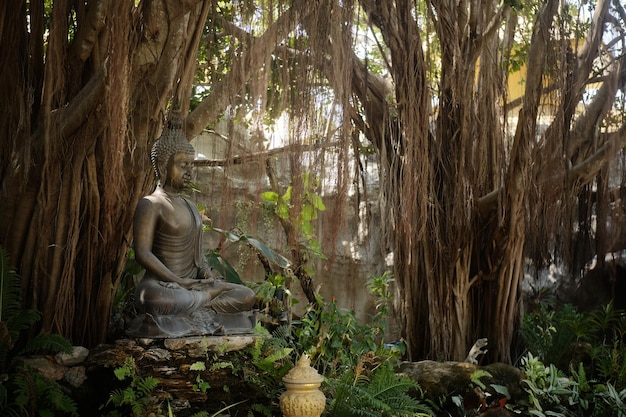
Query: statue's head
x=171 y=142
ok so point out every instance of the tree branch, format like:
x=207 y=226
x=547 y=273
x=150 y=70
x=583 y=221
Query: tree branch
x=585 y=171
x=90 y=29
x=600 y=106
x=243 y=68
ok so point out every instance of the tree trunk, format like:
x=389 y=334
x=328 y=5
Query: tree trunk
x=458 y=271
x=81 y=164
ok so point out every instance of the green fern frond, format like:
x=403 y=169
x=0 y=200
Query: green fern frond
x=222 y=365
x=270 y=362
x=31 y=391
x=50 y=396
x=21 y=389
x=52 y=343
x=115 y=397
x=384 y=393
x=23 y=320
x=137 y=409
x=146 y=385
x=255 y=349
x=6 y=344
x=282 y=332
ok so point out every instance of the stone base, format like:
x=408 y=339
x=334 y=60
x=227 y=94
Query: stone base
x=170 y=361
x=200 y=322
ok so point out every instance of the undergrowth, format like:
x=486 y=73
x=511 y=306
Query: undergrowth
x=23 y=390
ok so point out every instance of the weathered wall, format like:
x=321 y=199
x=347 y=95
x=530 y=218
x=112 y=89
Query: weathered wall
x=232 y=199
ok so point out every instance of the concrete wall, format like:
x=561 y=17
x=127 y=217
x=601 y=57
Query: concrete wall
x=232 y=199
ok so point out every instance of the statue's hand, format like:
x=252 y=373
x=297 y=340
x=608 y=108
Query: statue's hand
x=208 y=273
x=200 y=285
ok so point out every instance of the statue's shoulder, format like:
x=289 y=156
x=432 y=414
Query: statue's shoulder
x=151 y=202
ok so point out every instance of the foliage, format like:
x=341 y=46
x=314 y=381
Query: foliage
x=227 y=270
x=380 y=286
x=136 y=396
x=309 y=204
x=552 y=393
x=271 y=358
x=610 y=402
x=334 y=338
x=567 y=337
x=23 y=390
x=547 y=387
x=200 y=385
x=579 y=383
x=374 y=392
x=587 y=346
x=274 y=295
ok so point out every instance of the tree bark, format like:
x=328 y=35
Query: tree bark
x=66 y=213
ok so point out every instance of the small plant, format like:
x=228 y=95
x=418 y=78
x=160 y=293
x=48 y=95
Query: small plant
x=311 y=204
x=374 y=389
x=224 y=267
x=334 y=337
x=270 y=360
x=549 y=390
x=136 y=395
x=610 y=402
x=565 y=337
x=201 y=384
x=381 y=287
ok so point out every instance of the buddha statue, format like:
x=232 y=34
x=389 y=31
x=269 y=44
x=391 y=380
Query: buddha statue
x=179 y=294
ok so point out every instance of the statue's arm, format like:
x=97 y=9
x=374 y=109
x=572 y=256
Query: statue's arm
x=144 y=225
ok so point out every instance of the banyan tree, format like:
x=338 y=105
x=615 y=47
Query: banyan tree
x=497 y=129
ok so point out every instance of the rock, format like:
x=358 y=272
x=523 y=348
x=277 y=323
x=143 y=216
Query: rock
x=197 y=347
x=75 y=376
x=170 y=362
x=157 y=354
x=47 y=367
x=114 y=355
x=76 y=356
x=444 y=379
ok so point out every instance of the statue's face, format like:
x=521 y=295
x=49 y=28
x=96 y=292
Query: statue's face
x=179 y=170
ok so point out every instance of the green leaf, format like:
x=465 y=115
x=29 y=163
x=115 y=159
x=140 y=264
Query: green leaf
x=265 y=250
x=317 y=202
x=308 y=212
x=282 y=211
x=198 y=366
x=121 y=373
x=501 y=389
x=224 y=268
x=53 y=343
x=287 y=195
x=476 y=375
x=270 y=196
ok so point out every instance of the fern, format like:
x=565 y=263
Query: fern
x=146 y=385
x=137 y=394
x=23 y=390
x=52 y=397
x=384 y=393
x=53 y=343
